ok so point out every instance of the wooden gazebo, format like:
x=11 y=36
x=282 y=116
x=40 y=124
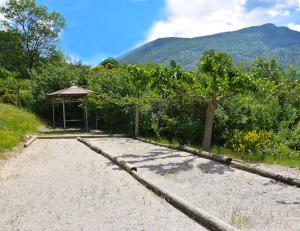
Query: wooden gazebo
x=71 y=94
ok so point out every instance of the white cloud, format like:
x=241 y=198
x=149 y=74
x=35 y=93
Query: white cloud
x=2 y=3
x=279 y=10
x=201 y=17
x=294 y=26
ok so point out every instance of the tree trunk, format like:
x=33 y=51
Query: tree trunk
x=137 y=120
x=31 y=62
x=212 y=105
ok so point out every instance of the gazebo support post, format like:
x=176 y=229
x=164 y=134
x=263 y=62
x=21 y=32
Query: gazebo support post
x=96 y=119
x=86 y=115
x=71 y=94
x=64 y=114
x=53 y=113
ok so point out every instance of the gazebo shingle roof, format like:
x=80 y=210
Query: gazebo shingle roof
x=73 y=91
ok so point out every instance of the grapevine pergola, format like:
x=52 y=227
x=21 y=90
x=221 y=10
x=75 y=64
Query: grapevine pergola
x=72 y=94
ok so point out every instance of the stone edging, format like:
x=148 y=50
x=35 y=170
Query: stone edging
x=233 y=163
x=197 y=214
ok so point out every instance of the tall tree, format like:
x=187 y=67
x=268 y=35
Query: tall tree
x=11 y=51
x=140 y=81
x=127 y=85
x=9 y=82
x=38 y=27
x=215 y=80
x=109 y=63
x=267 y=69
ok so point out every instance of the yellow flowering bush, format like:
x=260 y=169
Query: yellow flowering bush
x=251 y=141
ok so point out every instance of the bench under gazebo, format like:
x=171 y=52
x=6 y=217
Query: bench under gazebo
x=72 y=94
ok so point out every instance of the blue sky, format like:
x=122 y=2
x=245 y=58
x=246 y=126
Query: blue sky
x=96 y=29
x=100 y=28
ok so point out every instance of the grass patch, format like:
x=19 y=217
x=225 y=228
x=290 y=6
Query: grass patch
x=162 y=140
x=258 y=158
x=15 y=123
x=249 y=157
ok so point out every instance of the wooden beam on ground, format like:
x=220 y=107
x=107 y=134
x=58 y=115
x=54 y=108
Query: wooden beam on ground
x=30 y=141
x=232 y=163
x=75 y=136
x=201 y=216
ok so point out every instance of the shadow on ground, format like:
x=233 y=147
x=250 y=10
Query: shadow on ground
x=174 y=162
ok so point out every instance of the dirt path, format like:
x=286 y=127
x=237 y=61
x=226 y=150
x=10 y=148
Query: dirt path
x=63 y=185
x=245 y=200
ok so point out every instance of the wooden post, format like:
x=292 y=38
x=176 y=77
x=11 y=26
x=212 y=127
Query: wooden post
x=137 y=120
x=64 y=114
x=96 y=119
x=53 y=113
x=86 y=115
x=209 y=125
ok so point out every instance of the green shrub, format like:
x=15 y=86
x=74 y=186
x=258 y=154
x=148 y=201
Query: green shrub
x=251 y=141
x=295 y=138
x=9 y=99
x=286 y=143
x=246 y=112
x=282 y=151
x=282 y=145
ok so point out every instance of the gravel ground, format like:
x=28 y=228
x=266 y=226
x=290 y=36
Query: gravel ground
x=242 y=199
x=63 y=185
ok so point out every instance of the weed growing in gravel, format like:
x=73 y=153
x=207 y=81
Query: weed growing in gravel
x=171 y=176
x=238 y=220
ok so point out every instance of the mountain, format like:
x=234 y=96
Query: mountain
x=246 y=44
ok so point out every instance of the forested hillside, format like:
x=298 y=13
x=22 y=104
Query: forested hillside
x=268 y=41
